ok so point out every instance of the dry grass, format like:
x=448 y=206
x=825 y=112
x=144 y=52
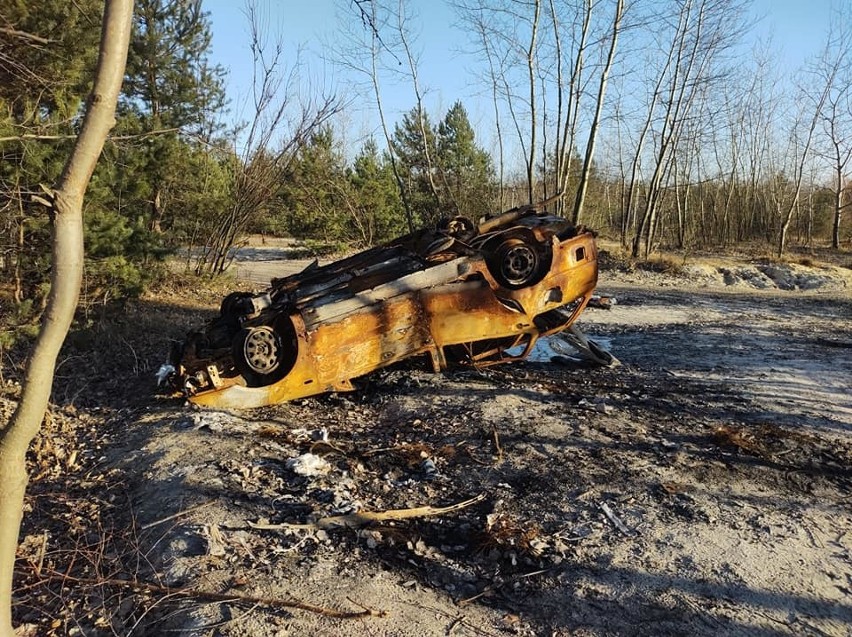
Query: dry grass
x=664 y=264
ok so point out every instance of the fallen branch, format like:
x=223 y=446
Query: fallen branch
x=493 y=587
x=610 y=515
x=271 y=602
x=366 y=518
x=497 y=447
x=179 y=514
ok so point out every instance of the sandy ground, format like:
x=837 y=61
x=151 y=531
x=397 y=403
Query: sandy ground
x=704 y=486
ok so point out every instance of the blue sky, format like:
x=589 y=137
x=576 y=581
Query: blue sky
x=312 y=25
x=796 y=26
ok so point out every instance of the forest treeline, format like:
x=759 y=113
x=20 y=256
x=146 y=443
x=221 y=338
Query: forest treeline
x=652 y=120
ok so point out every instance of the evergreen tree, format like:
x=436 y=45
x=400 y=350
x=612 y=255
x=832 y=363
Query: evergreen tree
x=313 y=192
x=172 y=93
x=467 y=173
x=447 y=173
x=46 y=59
x=47 y=53
x=378 y=213
x=414 y=143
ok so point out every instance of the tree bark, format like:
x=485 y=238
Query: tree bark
x=565 y=147
x=66 y=276
x=593 y=129
x=531 y=59
x=418 y=94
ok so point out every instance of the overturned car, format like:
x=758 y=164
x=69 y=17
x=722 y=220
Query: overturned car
x=461 y=293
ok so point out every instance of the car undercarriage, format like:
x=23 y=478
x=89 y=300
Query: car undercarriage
x=460 y=294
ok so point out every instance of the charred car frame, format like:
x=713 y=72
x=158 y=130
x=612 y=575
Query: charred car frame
x=462 y=293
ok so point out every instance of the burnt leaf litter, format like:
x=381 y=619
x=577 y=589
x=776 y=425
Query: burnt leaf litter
x=573 y=461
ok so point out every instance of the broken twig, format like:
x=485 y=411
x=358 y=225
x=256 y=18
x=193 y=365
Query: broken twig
x=493 y=587
x=366 y=518
x=179 y=514
x=610 y=515
x=497 y=447
x=272 y=602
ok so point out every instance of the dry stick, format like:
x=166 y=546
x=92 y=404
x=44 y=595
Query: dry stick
x=492 y=587
x=181 y=513
x=498 y=447
x=366 y=518
x=272 y=602
x=458 y=620
x=610 y=515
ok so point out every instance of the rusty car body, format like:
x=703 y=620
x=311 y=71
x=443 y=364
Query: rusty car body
x=461 y=293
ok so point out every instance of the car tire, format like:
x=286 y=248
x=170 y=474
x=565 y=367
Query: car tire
x=518 y=262
x=258 y=355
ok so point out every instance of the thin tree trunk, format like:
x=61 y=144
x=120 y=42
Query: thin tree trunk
x=593 y=130
x=572 y=112
x=374 y=79
x=421 y=118
x=557 y=158
x=502 y=163
x=19 y=254
x=533 y=124
x=66 y=277
x=838 y=205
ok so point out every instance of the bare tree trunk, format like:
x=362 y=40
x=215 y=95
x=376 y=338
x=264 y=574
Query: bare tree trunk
x=799 y=172
x=66 y=277
x=501 y=160
x=569 y=127
x=838 y=208
x=840 y=162
x=593 y=129
x=630 y=203
x=421 y=118
x=157 y=210
x=557 y=155
x=374 y=79
x=533 y=123
x=679 y=206
x=19 y=255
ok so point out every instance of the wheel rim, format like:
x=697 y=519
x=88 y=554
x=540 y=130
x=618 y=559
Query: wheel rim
x=519 y=264
x=262 y=350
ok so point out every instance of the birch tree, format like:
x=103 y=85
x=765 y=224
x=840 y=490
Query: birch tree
x=705 y=31
x=618 y=16
x=834 y=69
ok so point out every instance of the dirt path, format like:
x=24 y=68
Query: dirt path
x=702 y=487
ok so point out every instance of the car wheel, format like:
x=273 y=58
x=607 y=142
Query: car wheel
x=516 y=263
x=258 y=353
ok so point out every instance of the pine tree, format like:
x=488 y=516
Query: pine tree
x=467 y=173
x=172 y=93
x=455 y=176
x=313 y=192
x=47 y=53
x=416 y=152
x=379 y=207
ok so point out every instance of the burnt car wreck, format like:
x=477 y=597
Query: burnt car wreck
x=461 y=293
